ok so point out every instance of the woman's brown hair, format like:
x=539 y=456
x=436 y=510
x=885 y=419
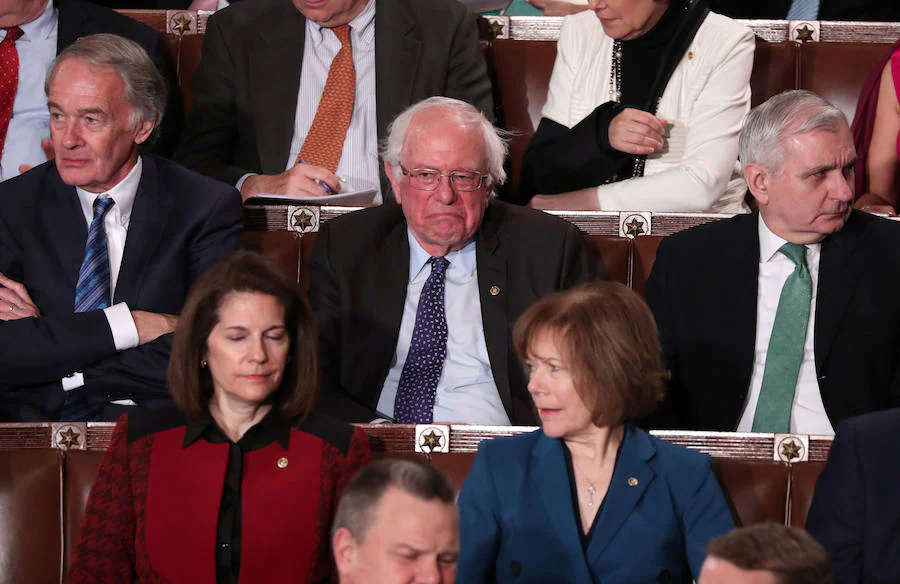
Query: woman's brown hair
x=608 y=337
x=246 y=271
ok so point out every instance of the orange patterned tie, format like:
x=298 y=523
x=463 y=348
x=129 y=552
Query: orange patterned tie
x=9 y=78
x=325 y=139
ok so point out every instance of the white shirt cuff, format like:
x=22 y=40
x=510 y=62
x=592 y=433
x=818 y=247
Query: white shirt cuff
x=241 y=180
x=72 y=381
x=121 y=323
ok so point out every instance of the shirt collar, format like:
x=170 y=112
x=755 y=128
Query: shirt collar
x=268 y=430
x=123 y=193
x=362 y=27
x=769 y=243
x=42 y=27
x=461 y=260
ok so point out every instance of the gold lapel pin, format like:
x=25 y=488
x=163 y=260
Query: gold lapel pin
x=495 y=290
x=632 y=482
x=282 y=462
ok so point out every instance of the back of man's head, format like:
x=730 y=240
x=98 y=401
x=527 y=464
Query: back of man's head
x=396 y=522
x=766 y=553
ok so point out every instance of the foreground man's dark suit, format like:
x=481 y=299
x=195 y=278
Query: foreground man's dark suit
x=359 y=272
x=181 y=222
x=703 y=292
x=855 y=510
x=248 y=80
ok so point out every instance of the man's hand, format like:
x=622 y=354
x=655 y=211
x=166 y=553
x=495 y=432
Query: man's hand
x=301 y=180
x=15 y=302
x=47 y=147
x=152 y=325
x=584 y=200
x=558 y=7
x=637 y=132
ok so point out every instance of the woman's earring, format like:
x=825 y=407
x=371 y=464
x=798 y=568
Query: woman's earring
x=204 y=364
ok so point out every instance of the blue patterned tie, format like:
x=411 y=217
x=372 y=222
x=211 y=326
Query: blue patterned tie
x=414 y=403
x=91 y=293
x=805 y=10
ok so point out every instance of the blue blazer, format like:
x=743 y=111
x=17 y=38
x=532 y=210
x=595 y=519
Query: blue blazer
x=518 y=523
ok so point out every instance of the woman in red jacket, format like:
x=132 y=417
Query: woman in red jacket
x=239 y=484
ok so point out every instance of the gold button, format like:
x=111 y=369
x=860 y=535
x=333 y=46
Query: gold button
x=632 y=482
x=690 y=55
x=495 y=290
x=282 y=462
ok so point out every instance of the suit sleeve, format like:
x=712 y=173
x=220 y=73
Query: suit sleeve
x=704 y=515
x=838 y=510
x=659 y=293
x=211 y=133
x=105 y=550
x=581 y=262
x=467 y=78
x=480 y=529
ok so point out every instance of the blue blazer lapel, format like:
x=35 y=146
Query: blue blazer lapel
x=66 y=232
x=624 y=493
x=553 y=484
x=146 y=230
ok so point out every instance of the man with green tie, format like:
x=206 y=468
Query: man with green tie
x=787 y=319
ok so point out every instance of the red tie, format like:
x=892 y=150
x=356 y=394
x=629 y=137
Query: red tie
x=9 y=78
x=325 y=139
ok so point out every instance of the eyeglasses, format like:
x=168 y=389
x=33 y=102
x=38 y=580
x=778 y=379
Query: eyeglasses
x=428 y=179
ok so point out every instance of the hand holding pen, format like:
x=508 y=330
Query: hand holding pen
x=303 y=180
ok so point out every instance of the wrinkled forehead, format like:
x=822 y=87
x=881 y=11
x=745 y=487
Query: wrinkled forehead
x=442 y=133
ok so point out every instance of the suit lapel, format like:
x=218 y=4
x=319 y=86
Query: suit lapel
x=391 y=271
x=552 y=478
x=145 y=231
x=491 y=266
x=397 y=50
x=276 y=55
x=631 y=478
x=839 y=272
x=65 y=221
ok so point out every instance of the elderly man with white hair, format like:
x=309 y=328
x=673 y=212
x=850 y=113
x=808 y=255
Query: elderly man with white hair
x=416 y=299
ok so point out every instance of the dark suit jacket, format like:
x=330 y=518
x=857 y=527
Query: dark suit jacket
x=879 y=10
x=703 y=292
x=517 y=519
x=359 y=271
x=77 y=19
x=855 y=510
x=180 y=223
x=246 y=86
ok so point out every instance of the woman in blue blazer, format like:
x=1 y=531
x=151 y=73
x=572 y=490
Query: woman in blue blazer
x=589 y=497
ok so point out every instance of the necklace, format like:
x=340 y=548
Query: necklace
x=592 y=490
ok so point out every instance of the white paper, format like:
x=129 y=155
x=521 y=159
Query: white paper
x=353 y=194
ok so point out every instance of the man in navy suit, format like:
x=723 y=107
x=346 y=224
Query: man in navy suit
x=159 y=228
x=855 y=510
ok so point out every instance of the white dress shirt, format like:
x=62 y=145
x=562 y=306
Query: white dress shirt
x=359 y=157
x=807 y=411
x=466 y=391
x=30 y=121
x=116 y=221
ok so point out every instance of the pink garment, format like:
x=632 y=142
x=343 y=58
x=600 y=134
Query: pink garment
x=895 y=74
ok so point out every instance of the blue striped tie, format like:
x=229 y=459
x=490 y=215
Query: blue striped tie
x=91 y=293
x=804 y=10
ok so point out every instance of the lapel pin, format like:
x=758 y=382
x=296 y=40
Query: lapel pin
x=495 y=290
x=632 y=482
x=282 y=462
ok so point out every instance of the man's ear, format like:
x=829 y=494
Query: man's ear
x=344 y=546
x=394 y=179
x=757 y=177
x=143 y=131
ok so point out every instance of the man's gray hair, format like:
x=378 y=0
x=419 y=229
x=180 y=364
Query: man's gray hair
x=495 y=140
x=145 y=88
x=364 y=492
x=766 y=126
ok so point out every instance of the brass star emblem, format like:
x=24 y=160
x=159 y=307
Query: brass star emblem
x=497 y=28
x=431 y=441
x=634 y=227
x=303 y=219
x=790 y=450
x=805 y=33
x=69 y=438
x=181 y=24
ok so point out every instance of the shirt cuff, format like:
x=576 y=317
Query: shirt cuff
x=241 y=180
x=72 y=381
x=121 y=323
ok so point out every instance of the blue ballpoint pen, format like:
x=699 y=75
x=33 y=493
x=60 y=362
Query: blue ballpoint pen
x=321 y=183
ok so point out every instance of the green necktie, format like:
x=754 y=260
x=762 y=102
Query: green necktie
x=773 y=410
